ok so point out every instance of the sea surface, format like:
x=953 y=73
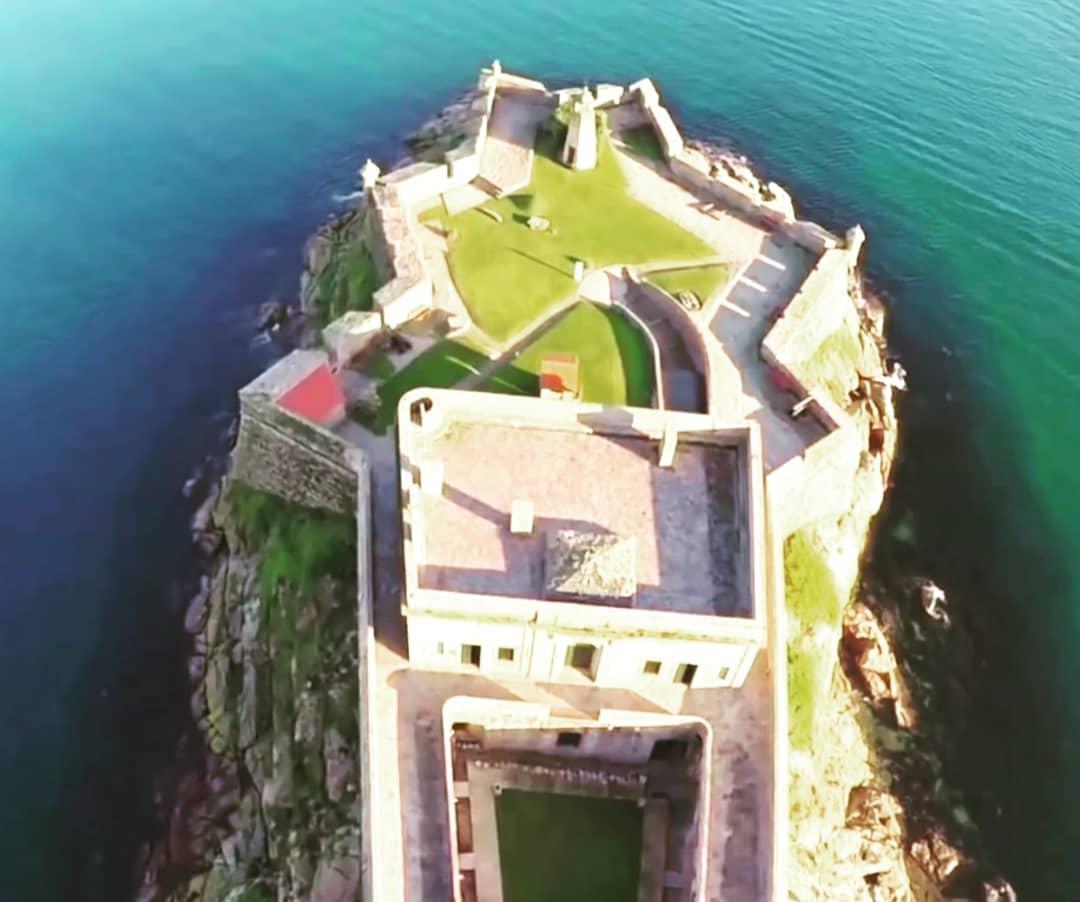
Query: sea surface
x=161 y=164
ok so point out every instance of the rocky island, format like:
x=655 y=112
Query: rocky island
x=546 y=548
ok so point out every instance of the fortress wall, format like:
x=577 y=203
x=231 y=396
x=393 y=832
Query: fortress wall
x=368 y=748
x=629 y=745
x=816 y=485
x=277 y=456
x=402 y=303
x=288 y=456
x=819 y=308
x=776 y=868
x=419 y=182
x=811 y=236
x=520 y=83
x=667 y=133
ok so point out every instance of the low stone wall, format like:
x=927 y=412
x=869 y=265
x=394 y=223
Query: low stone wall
x=689 y=331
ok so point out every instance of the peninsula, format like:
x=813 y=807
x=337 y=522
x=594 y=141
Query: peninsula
x=529 y=574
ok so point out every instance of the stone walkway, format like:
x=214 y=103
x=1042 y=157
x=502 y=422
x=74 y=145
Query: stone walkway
x=770 y=268
x=507 y=158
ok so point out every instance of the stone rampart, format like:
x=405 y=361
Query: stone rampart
x=769 y=204
x=821 y=306
x=288 y=456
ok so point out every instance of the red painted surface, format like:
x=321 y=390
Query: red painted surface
x=317 y=397
x=559 y=373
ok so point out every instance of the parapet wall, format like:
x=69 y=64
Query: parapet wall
x=818 y=483
x=769 y=204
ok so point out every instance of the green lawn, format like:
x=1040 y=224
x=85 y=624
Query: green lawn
x=347 y=283
x=701 y=280
x=642 y=141
x=812 y=600
x=509 y=274
x=441 y=366
x=615 y=358
x=563 y=848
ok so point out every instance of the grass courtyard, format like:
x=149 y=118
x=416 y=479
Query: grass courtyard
x=701 y=280
x=565 y=848
x=616 y=363
x=509 y=274
x=441 y=366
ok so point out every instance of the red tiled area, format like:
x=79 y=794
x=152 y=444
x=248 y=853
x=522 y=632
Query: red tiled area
x=685 y=521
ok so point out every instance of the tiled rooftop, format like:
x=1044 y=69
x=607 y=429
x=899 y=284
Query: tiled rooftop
x=687 y=524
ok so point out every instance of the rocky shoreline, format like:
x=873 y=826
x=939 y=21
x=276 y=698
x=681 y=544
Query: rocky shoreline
x=872 y=817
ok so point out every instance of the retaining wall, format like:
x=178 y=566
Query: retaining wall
x=688 y=330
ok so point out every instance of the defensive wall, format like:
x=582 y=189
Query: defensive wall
x=286 y=455
x=818 y=483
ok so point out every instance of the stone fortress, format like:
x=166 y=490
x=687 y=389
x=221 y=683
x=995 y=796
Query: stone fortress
x=572 y=598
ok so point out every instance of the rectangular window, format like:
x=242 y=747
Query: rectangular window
x=470 y=655
x=725 y=674
x=685 y=673
x=652 y=668
x=581 y=657
x=440 y=649
x=568 y=740
x=506 y=654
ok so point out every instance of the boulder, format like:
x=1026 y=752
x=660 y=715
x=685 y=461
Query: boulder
x=938 y=858
x=872 y=664
x=273 y=315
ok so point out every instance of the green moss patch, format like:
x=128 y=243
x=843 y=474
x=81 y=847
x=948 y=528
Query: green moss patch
x=348 y=283
x=812 y=596
x=701 y=280
x=615 y=359
x=805 y=677
x=569 y=848
x=509 y=274
x=299 y=545
x=812 y=601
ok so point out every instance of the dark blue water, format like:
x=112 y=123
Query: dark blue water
x=161 y=164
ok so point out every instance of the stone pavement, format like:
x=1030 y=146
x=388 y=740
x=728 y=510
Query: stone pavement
x=507 y=158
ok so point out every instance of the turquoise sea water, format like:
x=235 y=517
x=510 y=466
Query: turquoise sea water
x=160 y=165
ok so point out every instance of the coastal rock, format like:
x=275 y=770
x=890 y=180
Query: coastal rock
x=273 y=315
x=939 y=859
x=871 y=662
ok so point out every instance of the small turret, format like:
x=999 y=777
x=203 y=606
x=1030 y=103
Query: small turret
x=369 y=175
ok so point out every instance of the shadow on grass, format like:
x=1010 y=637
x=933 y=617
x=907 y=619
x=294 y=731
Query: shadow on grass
x=441 y=366
x=540 y=262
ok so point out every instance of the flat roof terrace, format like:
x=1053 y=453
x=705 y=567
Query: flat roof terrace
x=683 y=531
